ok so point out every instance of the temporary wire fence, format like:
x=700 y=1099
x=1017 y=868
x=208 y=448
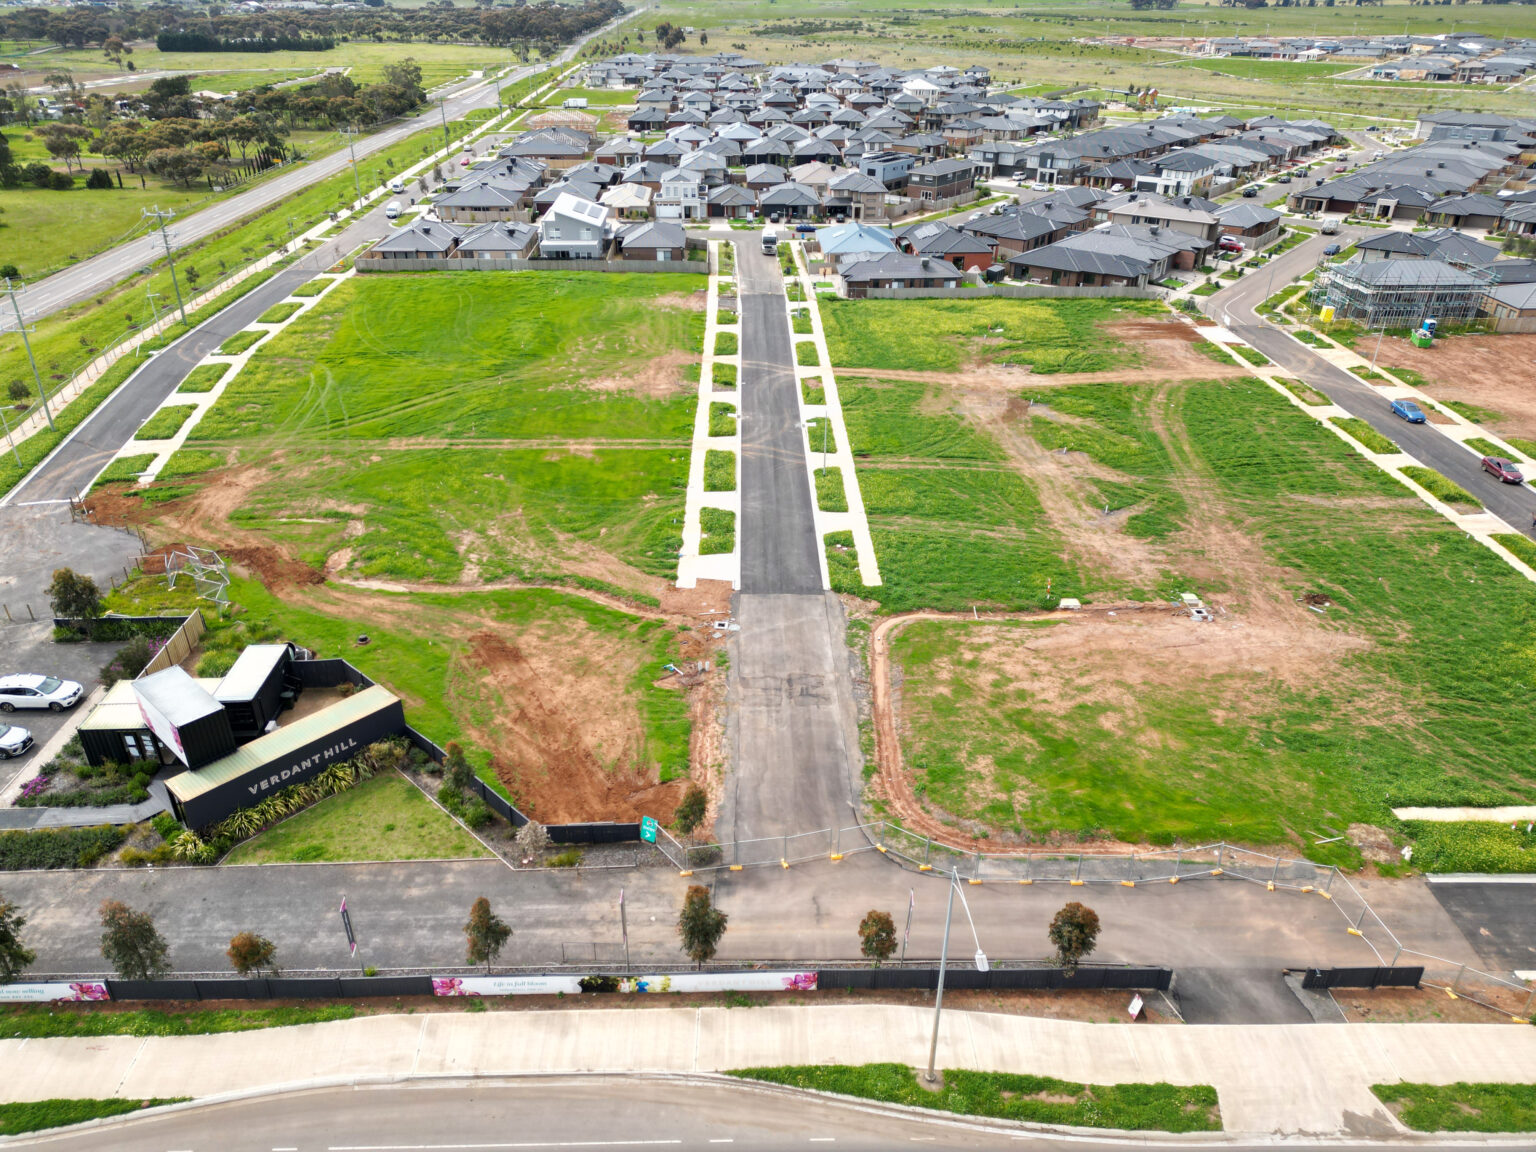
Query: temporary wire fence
x=1175 y=865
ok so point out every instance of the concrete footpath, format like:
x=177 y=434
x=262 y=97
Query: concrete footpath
x=1305 y=1079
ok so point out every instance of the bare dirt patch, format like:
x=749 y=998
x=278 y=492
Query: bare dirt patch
x=687 y=301
x=658 y=377
x=562 y=745
x=1425 y=1005
x=1490 y=371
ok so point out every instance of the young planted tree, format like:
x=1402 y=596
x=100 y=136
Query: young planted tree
x=15 y=957
x=691 y=810
x=700 y=924
x=74 y=597
x=1074 y=931
x=251 y=955
x=486 y=932
x=877 y=935
x=132 y=944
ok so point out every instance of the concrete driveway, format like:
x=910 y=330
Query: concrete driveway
x=31 y=648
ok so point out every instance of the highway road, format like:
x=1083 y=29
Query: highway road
x=1234 y=309
x=93 y=276
x=621 y=1113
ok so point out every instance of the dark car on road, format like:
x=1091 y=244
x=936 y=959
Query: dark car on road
x=1504 y=469
x=1409 y=411
x=1331 y=250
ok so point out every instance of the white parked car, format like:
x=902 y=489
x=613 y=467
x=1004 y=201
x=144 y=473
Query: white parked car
x=32 y=691
x=14 y=741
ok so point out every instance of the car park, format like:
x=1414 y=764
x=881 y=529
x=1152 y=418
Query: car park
x=1409 y=411
x=33 y=691
x=1504 y=470
x=14 y=741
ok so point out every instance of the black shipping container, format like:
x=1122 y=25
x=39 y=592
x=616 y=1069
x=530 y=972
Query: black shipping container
x=252 y=691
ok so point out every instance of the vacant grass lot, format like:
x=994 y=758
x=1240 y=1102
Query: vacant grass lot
x=968 y=533
x=1394 y=713
x=386 y=818
x=948 y=335
x=562 y=400
x=1005 y=1096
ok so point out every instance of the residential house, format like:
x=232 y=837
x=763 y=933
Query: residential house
x=895 y=270
x=574 y=228
x=965 y=250
x=681 y=196
x=790 y=201
x=419 y=240
x=942 y=180
x=503 y=240
x=628 y=201
x=1254 y=224
x=651 y=240
x=855 y=195
x=731 y=202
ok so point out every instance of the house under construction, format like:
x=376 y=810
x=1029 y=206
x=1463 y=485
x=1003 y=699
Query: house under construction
x=1400 y=293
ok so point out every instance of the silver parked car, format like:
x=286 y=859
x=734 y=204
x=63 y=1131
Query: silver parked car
x=33 y=691
x=14 y=741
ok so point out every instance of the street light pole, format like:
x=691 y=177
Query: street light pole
x=443 y=111
x=21 y=326
x=938 y=998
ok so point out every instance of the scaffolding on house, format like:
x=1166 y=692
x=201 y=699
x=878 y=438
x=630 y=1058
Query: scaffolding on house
x=1401 y=293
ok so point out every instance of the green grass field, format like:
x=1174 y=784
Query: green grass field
x=595 y=97
x=386 y=818
x=1462 y=1107
x=1006 y=1096
x=371 y=387
x=948 y=335
x=1402 y=717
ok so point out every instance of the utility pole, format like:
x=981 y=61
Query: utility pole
x=170 y=258
x=443 y=111
x=352 y=152
x=21 y=326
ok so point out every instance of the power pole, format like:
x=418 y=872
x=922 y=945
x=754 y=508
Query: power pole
x=351 y=151
x=170 y=258
x=443 y=111
x=21 y=326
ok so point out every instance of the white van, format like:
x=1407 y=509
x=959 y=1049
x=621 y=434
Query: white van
x=397 y=185
x=392 y=210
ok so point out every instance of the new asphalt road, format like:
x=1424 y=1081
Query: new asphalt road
x=794 y=728
x=1234 y=308
x=69 y=471
x=91 y=277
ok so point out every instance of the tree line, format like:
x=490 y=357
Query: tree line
x=546 y=23
x=207 y=42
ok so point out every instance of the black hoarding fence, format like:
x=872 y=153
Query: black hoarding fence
x=597 y=832
x=1380 y=977
x=827 y=980
x=997 y=979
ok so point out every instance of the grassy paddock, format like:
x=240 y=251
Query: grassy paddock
x=1176 y=765
x=1007 y=1096
x=386 y=818
x=1462 y=1107
x=945 y=335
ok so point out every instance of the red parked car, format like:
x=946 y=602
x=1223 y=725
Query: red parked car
x=1503 y=469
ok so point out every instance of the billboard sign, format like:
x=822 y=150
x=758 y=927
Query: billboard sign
x=657 y=982
x=166 y=732
x=46 y=993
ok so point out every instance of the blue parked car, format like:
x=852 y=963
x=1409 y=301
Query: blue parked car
x=1409 y=411
x=1331 y=250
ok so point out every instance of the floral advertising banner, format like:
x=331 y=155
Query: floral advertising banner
x=43 y=993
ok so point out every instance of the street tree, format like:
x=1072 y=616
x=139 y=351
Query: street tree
x=251 y=954
x=486 y=932
x=691 y=809
x=132 y=944
x=15 y=957
x=1074 y=930
x=877 y=935
x=74 y=597
x=700 y=924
